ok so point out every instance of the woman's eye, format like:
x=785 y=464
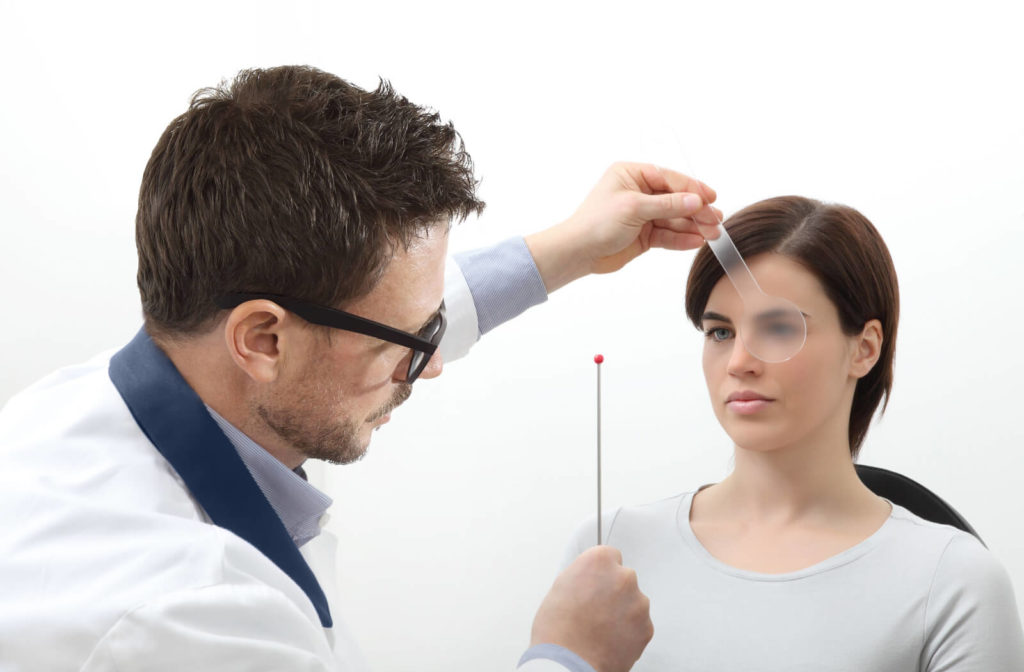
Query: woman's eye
x=718 y=334
x=781 y=329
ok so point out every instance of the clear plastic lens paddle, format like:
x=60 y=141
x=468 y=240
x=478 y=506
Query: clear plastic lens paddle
x=771 y=328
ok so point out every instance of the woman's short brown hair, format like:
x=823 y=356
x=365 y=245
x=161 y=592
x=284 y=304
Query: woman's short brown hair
x=847 y=255
x=290 y=181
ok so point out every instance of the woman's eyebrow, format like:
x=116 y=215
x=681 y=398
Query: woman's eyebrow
x=777 y=313
x=718 y=317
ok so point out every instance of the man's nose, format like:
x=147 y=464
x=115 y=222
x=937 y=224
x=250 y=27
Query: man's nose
x=434 y=366
x=431 y=370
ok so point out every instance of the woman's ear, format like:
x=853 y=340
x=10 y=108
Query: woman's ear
x=867 y=349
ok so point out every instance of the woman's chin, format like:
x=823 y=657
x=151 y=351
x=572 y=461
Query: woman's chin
x=757 y=440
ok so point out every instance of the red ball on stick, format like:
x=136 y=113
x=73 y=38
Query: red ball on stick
x=598 y=359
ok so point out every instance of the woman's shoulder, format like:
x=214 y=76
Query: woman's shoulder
x=961 y=561
x=940 y=541
x=959 y=564
x=970 y=612
x=624 y=523
x=658 y=513
x=639 y=525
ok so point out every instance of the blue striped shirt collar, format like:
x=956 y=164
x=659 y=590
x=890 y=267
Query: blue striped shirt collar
x=298 y=504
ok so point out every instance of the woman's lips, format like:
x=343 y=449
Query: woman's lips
x=747 y=406
x=746 y=402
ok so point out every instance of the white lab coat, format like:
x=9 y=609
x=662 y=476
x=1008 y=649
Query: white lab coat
x=107 y=561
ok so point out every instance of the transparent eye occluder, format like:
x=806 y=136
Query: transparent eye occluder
x=771 y=328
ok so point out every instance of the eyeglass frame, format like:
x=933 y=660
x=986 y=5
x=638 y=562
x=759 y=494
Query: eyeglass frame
x=339 y=319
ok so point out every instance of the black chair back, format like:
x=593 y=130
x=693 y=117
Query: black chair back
x=911 y=495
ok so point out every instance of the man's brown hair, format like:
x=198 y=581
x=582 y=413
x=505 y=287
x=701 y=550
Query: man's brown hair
x=848 y=256
x=290 y=181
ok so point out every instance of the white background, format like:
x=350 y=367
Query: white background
x=451 y=530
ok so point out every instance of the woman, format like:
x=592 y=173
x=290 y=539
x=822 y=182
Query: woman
x=790 y=563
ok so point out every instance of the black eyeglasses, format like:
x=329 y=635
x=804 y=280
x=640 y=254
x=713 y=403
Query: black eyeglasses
x=423 y=344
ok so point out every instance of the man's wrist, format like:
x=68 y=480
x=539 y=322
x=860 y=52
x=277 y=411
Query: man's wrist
x=558 y=260
x=558 y=654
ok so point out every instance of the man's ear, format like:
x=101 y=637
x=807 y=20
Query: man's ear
x=255 y=337
x=867 y=349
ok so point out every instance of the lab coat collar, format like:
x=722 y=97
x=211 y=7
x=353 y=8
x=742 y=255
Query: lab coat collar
x=174 y=418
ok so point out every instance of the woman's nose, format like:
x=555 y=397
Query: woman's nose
x=741 y=362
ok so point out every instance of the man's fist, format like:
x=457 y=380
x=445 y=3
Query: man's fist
x=596 y=610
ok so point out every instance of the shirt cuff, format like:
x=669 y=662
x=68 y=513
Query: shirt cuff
x=462 y=331
x=503 y=280
x=557 y=654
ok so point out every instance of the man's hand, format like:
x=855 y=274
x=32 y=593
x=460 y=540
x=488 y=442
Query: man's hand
x=633 y=208
x=596 y=610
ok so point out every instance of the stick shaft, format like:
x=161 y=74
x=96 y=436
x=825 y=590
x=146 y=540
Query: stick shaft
x=598 y=454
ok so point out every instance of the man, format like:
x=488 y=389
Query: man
x=292 y=232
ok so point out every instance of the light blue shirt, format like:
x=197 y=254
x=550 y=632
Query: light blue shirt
x=503 y=280
x=297 y=503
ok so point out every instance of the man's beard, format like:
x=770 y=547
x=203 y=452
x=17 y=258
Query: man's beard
x=402 y=393
x=338 y=442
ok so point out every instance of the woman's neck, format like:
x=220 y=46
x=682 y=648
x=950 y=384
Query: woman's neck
x=807 y=481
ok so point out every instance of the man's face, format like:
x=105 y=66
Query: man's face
x=332 y=393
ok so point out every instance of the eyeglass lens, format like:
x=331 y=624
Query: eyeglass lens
x=420 y=359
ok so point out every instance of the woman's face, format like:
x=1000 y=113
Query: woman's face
x=805 y=399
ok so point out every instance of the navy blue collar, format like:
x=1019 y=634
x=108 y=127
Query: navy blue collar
x=174 y=418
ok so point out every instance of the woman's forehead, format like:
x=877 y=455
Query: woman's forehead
x=780 y=276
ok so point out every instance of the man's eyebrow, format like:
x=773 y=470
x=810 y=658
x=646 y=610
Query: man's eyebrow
x=718 y=317
x=430 y=319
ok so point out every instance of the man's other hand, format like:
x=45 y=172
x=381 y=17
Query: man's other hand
x=596 y=610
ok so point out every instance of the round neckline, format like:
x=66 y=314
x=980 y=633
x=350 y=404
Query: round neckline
x=838 y=560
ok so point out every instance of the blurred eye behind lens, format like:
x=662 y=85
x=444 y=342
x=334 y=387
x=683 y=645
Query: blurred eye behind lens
x=773 y=331
x=780 y=329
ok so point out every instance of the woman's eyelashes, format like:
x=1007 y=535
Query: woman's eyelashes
x=773 y=330
x=718 y=334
